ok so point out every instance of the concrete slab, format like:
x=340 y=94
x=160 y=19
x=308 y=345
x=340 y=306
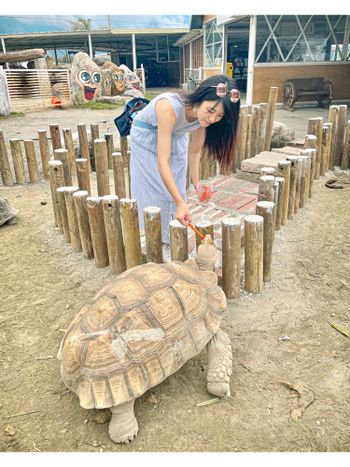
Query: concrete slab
x=264 y=159
x=288 y=150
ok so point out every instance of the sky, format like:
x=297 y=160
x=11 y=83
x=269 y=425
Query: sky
x=20 y=23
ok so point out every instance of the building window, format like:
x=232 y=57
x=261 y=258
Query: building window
x=213 y=38
x=304 y=38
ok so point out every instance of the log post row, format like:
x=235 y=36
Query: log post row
x=72 y=218
x=110 y=148
x=114 y=234
x=315 y=128
x=80 y=203
x=17 y=159
x=333 y=116
x=126 y=158
x=178 y=241
x=231 y=256
x=69 y=145
x=279 y=208
x=44 y=152
x=83 y=174
x=5 y=170
x=284 y=171
x=131 y=232
x=62 y=155
x=101 y=161
x=326 y=147
x=262 y=127
x=311 y=143
x=63 y=212
x=153 y=234
x=84 y=143
x=55 y=136
x=265 y=209
x=119 y=176
x=305 y=158
x=56 y=181
x=94 y=134
x=242 y=135
x=249 y=135
x=270 y=115
x=345 y=160
x=29 y=150
x=342 y=111
x=253 y=253
x=97 y=230
x=294 y=197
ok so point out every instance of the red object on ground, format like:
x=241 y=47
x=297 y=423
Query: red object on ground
x=56 y=102
x=205 y=192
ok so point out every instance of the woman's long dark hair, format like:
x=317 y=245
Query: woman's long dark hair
x=220 y=137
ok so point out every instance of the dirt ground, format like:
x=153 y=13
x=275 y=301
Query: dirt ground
x=290 y=380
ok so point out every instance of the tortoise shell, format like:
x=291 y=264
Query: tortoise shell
x=138 y=330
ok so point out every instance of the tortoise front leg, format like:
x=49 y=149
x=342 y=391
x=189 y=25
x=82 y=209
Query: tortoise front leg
x=123 y=426
x=219 y=364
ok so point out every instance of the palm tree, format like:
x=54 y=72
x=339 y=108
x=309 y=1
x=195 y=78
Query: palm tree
x=81 y=24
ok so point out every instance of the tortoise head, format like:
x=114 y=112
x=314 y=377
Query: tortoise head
x=206 y=255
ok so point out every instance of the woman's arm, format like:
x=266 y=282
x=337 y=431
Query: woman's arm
x=166 y=123
x=194 y=155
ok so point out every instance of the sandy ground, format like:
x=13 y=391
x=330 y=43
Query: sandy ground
x=291 y=369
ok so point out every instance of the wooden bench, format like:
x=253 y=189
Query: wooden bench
x=318 y=88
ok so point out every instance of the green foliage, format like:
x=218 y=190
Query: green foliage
x=13 y=114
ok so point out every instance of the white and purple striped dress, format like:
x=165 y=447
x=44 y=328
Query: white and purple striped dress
x=147 y=186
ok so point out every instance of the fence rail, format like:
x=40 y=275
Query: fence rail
x=34 y=89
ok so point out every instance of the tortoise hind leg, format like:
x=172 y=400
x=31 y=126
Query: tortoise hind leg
x=219 y=364
x=123 y=426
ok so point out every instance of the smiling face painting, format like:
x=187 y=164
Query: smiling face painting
x=86 y=79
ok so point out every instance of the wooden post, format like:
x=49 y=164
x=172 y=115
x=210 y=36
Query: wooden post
x=29 y=150
x=242 y=135
x=110 y=148
x=4 y=163
x=63 y=212
x=270 y=116
x=346 y=152
x=266 y=192
x=326 y=145
x=83 y=174
x=72 y=218
x=231 y=257
x=265 y=209
x=55 y=136
x=69 y=145
x=279 y=208
x=205 y=227
x=119 y=177
x=311 y=143
x=94 y=134
x=62 y=155
x=114 y=234
x=262 y=127
x=284 y=171
x=131 y=232
x=97 y=230
x=56 y=181
x=178 y=241
x=305 y=158
x=84 y=143
x=256 y=130
x=249 y=135
x=126 y=158
x=17 y=158
x=101 y=160
x=253 y=253
x=44 y=152
x=267 y=171
x=294 y=169
x=315 y=128
x=333 y=116
x=80 y=203
x=153 y=233
x=342 y=111
x=298 y=185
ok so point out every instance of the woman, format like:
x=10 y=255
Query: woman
x=160 y=152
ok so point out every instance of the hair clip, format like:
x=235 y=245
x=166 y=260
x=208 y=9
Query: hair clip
x=221 y=91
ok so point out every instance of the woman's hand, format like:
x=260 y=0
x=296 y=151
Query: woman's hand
x=183 y=213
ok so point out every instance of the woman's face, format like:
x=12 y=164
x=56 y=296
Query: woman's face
x=209 y=112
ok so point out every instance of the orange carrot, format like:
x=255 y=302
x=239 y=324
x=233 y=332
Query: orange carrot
x=197 y=231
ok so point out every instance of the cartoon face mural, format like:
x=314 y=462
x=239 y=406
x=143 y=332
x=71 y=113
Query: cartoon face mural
x=85 y=79
x=117 y=78
x=132 y=81
x=106 y=82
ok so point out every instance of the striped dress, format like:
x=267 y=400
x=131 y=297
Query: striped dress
x=147 y=186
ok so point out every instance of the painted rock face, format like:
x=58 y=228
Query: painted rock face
x=85 y=79
x=117 y=78
x=106 y=81
x=132 y=81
